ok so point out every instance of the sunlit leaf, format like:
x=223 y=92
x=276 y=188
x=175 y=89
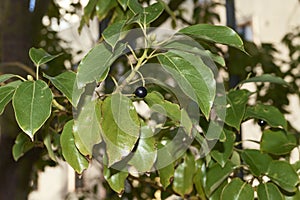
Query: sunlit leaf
x=32 y=105
x=266 y=78
x=113 y=32
x=40 y=56
x=268 y=191
x=238 y=190
x=69 y=150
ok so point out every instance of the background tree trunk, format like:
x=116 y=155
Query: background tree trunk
x=18 y=30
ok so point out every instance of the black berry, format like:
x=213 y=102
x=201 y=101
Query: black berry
x=140 y=92
x=262 y=123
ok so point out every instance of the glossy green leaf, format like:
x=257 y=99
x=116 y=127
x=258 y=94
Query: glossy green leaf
x=266 y=78
x=172 y=109
x=183 y=176
x=145 y=154
x=164 y=165
x=268 y=191
x=268 y=113
x=112 y=33
x=257 y=161
x=117 y=180
x=283 y=174
x=96 y=63
x=123 y=3
x=69 y=151
x=223 y=150
x=32 y=105
x=103 y=8
x=86 y=129
x=192 y=76
x=216 y=34
x=236 y=106
x=5 y=77
x=191 y=46
x=21 y=146
x=145 y=15
x=216 y=175
x=199 y=178
x=40 y=56
x=120 y=127
x=64 y=82
x=216 y=195
x=293 y=196
x=6 y=94
x=235 y=158
x=277 y=142
x=238 y=190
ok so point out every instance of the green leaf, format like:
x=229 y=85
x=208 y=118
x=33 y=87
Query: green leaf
x=69 y=151
x=6 y=94
x=293 y=196
x=116 y=181
x=103 y=8
x=199 y=178
x=64 y=83
x=266 y=78
x=164 y=165
x=21 y=146
x=238 y=190
x=268 y=113
x=191 y=46
x=123 y=3
x=88 y=10
x=5 y=77
x=216 y=34
x=257 y=161
x=145 y=154
x=223 y=150
x=120 y=127
x=32 y=105
x=216 y=175
x=283 y=174
x=148 y=14
x=96 y=64
x=40 y=56
x=216 y=195
x=47 y=142
x=277 y=142
x=192 y=76
x=86 y=129
x=183 y=176
x=268 y=191
x=236 y=106
x=112 y=33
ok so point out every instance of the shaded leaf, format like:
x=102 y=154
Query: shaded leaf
x=183 y=176
x=40 y=56
x=216 y=175
x=283 y=174
x=216 y=34
x=86 y=129
x=47 y=142
x=5 y=77
x=120 y=127
x=64 y=83
x=199 y=178
x=223 y=150
x=236 y=106
x=116 y=181
x=123 y=3
x=113 y=33
x=238 y=190
x=69 y=151
x=96 y=64
x=103 y=8
x=21 y=146
x=32 y=105
x=268 y=191
x=266 y=78
x=257 y=161
x=6 y=94
x=277 y=142
x=268 y=113
x=145 y=154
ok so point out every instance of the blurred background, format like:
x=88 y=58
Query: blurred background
x=270 y=28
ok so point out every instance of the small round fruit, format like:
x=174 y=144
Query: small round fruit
x=140 y=92
x=262 y=123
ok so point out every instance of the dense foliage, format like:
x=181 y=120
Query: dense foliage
x=185 y=143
